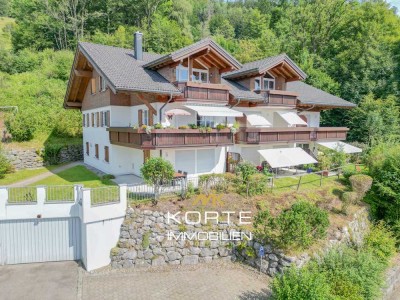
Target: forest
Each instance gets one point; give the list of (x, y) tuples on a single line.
[(348, 48)]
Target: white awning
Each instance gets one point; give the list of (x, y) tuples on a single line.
[(257, 120), (286, 157), (291, 118), (340, 146), (215, 111)]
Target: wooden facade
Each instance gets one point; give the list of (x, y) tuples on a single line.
[(247, 135), (169, 138), (278, 98), (203, 92)]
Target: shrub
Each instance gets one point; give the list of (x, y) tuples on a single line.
[(361, 184), (107, 177), (51, 153), (221, 126), (5, 165), (297, 227), (192, 126), (350, 197), (20, 127), (257, 184), (158, 126), (381, 242), (359, 269), (300, 284), (244, 170), (301, 225), (208, 181)]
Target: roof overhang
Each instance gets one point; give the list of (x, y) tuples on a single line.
[(205, 52)]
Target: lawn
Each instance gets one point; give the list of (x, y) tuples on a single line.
[(76, 175), (24, 174)]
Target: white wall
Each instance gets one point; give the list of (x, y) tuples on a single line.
[(313, 118), (100, 225)]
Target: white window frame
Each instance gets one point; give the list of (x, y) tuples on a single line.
[(200, 71), (268, 80), (259, 84)]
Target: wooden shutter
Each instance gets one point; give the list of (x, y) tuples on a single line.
[(83, 120), (140, 117), (108, 118), (106, 154), (92, 119), (97, 119), (87, 120), (96, 149), (87, 148), (93, 85), (102, 119)]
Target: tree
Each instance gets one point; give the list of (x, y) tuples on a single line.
[(157, 171), (4, 6)]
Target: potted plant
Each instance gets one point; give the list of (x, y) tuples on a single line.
[(325, 163)]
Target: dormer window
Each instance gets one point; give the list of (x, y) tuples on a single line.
[(200, 75), (267, 84), (102, 84)]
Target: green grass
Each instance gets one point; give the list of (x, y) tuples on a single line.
[(24, 174), (5, 35), (41, 139), (76, 175), (308, 181)]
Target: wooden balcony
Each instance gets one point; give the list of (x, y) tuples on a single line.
[(169, 138), (289, 134), (278, 98), (203, 92)]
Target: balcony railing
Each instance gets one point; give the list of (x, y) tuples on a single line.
[(289, 134), (278, 98), (169, 138), (204, 92)]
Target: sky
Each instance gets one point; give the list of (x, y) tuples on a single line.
[(395, 3)]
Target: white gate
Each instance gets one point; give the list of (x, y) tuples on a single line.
[(40, 240)]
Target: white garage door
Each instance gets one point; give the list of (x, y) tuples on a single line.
[(39, 240)]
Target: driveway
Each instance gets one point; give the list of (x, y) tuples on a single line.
[(45, 281), (65, 280)]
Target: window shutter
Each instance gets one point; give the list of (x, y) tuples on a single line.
[(106, 154), (108, 118), (140, 117), (97, 119), (87, 148), (102, 119), (92, 119), (97, 150), (93, 85), (87, 120), (83, 120)]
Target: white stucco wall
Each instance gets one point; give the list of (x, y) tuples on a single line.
[(313, 118)]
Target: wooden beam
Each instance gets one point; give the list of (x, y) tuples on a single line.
[(217, 60), (82, 73), (74, 104), (201, 63), (205, 62), (74, 90), (225, 70), (147, 103), (201, 53)]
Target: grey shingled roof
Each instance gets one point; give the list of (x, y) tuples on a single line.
[(240, 92), (313, 96), (188, 49), (262, 64), (123, 71)]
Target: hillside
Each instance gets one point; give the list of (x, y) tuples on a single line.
[(5, 32)]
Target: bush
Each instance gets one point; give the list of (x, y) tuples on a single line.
[(244, 170), (381, 242), (300, 284), (347, 267), (208, 181), (350, 197), (297, 227), (5, 165), (20, 127), (301, 225), (361, 184), (51, 153)]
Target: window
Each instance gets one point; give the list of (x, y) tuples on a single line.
[(205, 121), (200, 76), (87, 120), (269, 84), (93, 86), (102, 84), (102, 118), (106, 154), (257, 86), (87, 148), (107, 118), (84, 120), (96, 150), (182, 73), (145, 117), (92, 119)]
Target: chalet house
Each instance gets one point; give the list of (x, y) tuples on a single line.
[(197, 107)]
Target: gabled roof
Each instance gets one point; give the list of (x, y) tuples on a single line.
[(310, 95), (263, 65), (123, 72), (193, 48), (240, 92)]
